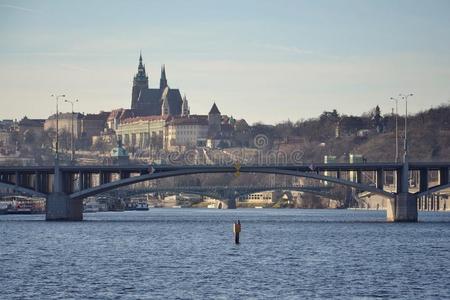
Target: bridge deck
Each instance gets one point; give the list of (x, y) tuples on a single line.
[(144, 168)]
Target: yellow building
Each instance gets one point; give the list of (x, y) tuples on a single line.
[(266, 197), (142, 132)]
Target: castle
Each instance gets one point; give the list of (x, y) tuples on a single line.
[(161, 118), (163, 101)]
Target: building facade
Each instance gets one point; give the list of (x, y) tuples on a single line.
[(85, 127), (171, 133), (93, 124), (65, 123), (35, 126), (186, 132), (142, 132)]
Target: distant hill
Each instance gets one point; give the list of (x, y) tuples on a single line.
[(371, 134)]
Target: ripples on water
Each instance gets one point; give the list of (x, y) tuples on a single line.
[(189, 254)]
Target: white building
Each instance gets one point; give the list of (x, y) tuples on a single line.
[(189, 131)]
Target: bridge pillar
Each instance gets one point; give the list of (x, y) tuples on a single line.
[(379, 178), (105, 177), (423, 180), (232, 203), (403, 208), (443, 176), (59, 207)]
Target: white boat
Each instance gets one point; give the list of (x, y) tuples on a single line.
[(91, 207), (211, 206), (176, 206)]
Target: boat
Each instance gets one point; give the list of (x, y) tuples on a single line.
[(141, 206), (3, 208), (137, 206), (20, 209), (91, 207)]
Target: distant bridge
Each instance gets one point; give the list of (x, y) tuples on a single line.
[(65, 186), (228, 194)]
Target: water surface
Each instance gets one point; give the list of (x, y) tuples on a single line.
[(190, 254)]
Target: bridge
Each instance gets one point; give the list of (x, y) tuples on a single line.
[(64, 187), (228, 194)]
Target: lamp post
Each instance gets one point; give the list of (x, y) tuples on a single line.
[(57, 97), (57, 179), (396, 128), (405, 146), (71, 134)]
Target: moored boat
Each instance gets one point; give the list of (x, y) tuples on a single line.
[(141, 206), (91, 207)]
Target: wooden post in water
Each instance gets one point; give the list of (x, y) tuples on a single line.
[(236, 231)]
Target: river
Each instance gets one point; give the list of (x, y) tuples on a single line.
[(190, 254)]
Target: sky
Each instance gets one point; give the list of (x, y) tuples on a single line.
[(265, 61)]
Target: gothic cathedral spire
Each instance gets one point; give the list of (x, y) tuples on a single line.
[(141, 78), (140, 81), (163, 80)]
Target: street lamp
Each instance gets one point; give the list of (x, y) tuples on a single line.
[(71, 134), (405, 97), (57, 97), (396, 128)]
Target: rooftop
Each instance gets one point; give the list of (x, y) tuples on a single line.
[(214, 110)]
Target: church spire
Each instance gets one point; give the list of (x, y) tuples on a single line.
[(140, 81), (141, 74), (163, 80), (141, 66), (185, 107)]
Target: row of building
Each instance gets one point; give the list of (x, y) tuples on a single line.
[(158, 118), (172, 132)]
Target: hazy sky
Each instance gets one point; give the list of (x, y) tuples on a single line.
[(261, 60)]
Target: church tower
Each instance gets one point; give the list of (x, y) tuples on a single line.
[(214, 121), (163, 80), (185, 107), (140, 82)]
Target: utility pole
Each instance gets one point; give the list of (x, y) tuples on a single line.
[(72, 158)]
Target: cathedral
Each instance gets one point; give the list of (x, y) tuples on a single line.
[(163, 101)]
